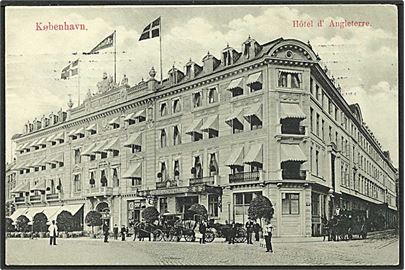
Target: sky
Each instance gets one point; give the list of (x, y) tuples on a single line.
[(363, 59)]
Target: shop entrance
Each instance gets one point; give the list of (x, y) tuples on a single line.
[(184, 203)]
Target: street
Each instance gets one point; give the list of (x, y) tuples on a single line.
[(378, 249)]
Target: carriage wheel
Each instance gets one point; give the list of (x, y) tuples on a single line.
[(167, 236), (209, 237), (364, 235), (157, 235), (240, 236), (189, 237)]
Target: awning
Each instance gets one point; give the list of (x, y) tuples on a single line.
[(72, 133), (57, 158), (292, 152), (32, 164), (236, 114), (80, 131), (290, 71), (34, 143), (20, 147), (41, 142), (32, 211), (114, 121), (255, 77), (22, 187), (38, 163), (18, 212), (141, 113), (195, 126), (210, 123), (134, 139), (50, 211), (99, 147), (73, 209), (134, 171), (87, 151), (25, 146), (236, 157), (92, 127), (129, 117), (41, 185), (60, 136), (112, 145), (255, 154), (51, 138), (254, 110), (237, 83), (291, 110)]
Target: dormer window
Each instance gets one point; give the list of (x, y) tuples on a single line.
[(212, 95), (289, 79), (197, 100), (176, 106), (227, 56), (163, 109)]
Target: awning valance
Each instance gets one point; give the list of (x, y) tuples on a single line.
[(254, 78), (112, 145), (18, 212), (254, 110), (210, 123), (41, 185), (236, 157), (235, 115), (114, 121), (292, 152), (134, 139), (255, 154), (290, 71), (88, 150), (134, 171), (22, 187), (237, 83), (291, 110), (92, 127), (195, 126)]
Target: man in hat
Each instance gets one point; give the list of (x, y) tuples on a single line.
[(106, 229), (53, 232), (267, 237), (249, 229)]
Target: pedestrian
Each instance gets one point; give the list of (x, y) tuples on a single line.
[(136, 229), (115, 231), (325, 228), (53, 233), (225, 230), (256, 230), (249, 231), (106, 229), (232, 233), (197, 233), (123, 232), (267, 237), (202, 229)]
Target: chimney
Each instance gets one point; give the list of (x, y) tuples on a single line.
[(152, 82)]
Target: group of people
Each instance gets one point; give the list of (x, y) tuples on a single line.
[(254, 227), (106, 232)]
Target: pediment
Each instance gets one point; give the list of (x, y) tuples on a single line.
[(293, 50)]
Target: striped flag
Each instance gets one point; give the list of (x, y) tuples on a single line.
[(151, 30), (104, 44), (70, 70)]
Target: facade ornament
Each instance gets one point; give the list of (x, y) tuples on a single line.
[(88, 95), (309, 44), (326, 69), (70, 102), (152, 73), (124, 81)]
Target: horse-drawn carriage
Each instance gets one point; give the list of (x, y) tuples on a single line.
[(224, 231), (347, 224)]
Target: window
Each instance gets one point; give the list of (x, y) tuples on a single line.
[(176, 106), (77, 185), (315, 204), (241, 202), (289, 79), (163, 171), (163, 142), (336, 113), (311, 120), (103, 179), (330, 107), (317, 162), (291, 204), (198, 169), (163, 205), (135, 148), (237, 126), (163, 109), (317, 92), (212, 133), (196, 136), (323, 129), (176, 169), (330, 134), (53, 165), (176, 136), (103, 155), (311, 86), (77, 156), (311, 162), (317, 124), (116, 181), (212, 95), (115, 153), (213, 166), (92, 157), (213, 205), (197, 100), (255, 122)]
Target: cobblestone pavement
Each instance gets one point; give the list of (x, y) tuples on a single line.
[(379, 249)]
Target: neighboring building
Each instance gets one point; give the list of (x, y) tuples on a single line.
[(267, 120)]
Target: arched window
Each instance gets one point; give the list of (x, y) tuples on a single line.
[(163, 138)]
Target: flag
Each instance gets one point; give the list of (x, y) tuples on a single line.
[(151, 30), (70, 70), (106, 43)]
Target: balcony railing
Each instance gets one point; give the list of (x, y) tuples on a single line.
[(166, 184), (209, 180), (99, 191), (19, 200), (35, 198), (244, 177), (295, 131), (53, 197)]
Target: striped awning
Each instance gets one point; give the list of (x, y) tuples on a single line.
[(291, 110), (129, 117), (60, 136), (114, 121), (88, 150), (134, 171), (134, 139), (112, 145), (57, 158), (235, 115), (255, 154), (100, 147), (210, 123), (292, 152), (22, 187), (38, 163), (254, 78), (236, 157), (290, 71), (195, 126), (33, 144), (92, 127), (254, 110), (140, 113), (41, 142), (72, 133), (18, 212), (71, 208), (51, 138), (80, 131), (41, 185), (237, 83)]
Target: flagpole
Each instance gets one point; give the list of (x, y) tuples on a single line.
[(78, 82), (115, 57), (160, 44)]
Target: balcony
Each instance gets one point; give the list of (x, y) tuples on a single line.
[(53, 197), (20, 200), (36, 199), (99, 191), (243, 177), (207, 180), (292, 126), (294, 175), (166, 184)]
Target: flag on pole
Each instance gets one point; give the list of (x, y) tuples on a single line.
[(70, 70), (151, 30), (104, 44)]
